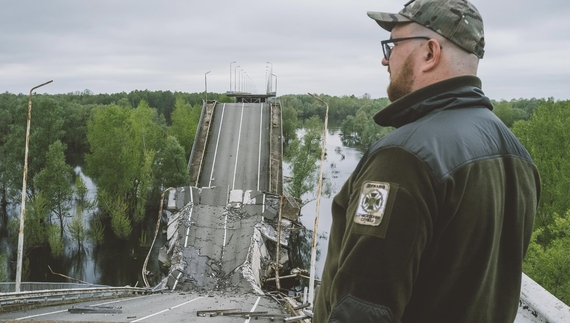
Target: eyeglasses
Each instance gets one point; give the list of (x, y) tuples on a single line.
[(387, 47)]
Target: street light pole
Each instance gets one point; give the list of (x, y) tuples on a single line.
[(316, 224), (239, 79), (23, 205), (231, 75), (275, 83), (270, 79), (206, 85), (235, 68)]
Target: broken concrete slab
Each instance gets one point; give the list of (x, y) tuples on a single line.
[(220, 242), (217, 195)]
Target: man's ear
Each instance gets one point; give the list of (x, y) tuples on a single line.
[(432, 55)]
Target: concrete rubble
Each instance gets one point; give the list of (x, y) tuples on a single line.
[(222, 239)]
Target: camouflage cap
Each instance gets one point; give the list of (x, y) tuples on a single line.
[(457, 20)]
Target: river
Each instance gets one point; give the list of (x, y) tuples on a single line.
[(115, 262), (339, 163)]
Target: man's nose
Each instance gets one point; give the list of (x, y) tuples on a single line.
[(384, 61)]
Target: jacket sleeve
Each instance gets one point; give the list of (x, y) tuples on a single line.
[(382, 222)]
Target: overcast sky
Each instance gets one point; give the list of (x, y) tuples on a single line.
[(318, 46)]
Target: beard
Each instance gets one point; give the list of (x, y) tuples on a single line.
[(401, 85)]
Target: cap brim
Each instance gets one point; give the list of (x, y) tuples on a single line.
[(387, 20)]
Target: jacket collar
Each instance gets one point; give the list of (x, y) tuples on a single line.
[(462, 91)]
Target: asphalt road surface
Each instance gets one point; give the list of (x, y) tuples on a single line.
[(237, 153), (175, 307)]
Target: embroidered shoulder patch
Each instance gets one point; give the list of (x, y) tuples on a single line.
[(372, 203)]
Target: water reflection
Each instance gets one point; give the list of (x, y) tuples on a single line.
[(339, 164), (114, 262)]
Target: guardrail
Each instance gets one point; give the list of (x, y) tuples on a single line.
[(67, 295), (539, 305)]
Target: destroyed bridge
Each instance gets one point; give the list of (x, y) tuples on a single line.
[(223, 228)]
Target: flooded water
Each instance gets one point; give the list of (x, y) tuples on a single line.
[(115, 262), (339, 163)]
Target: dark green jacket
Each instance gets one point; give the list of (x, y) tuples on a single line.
[(434, 222)]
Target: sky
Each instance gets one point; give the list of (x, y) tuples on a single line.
[(318, 46)]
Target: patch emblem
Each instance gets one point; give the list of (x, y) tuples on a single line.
[(372, 203)]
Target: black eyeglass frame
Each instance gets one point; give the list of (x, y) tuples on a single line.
[(387, 50)]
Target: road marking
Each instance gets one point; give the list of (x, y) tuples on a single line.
[(259, 159), (166, 310), (189, 224), (56, 312), (253, 308), (237, 150), (176, 282), (189, 217), (263, 208), (217, 142)]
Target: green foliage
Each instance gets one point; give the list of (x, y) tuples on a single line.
[(144, 185), (55, 240), (38, 231), (117, 209), (4, 274), (75, 125), (80, 191), (113, 159), (546, 138), (289, 124), (550, 151), (36, 223), (550, 265), (508, 114), (96, 231), (147, 128), (302, 155), (76, 228), (361, 131), (171, 166), (185, 120), (54, 181)]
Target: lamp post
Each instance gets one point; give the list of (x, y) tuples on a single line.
[(23, 205), (231, 75), (319, 188), (235, 68), (270, 79), (206, 85), (275, 82), (239, 79)]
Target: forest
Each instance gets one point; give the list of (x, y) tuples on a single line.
[(134, 145)]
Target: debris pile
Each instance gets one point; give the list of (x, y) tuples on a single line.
[(222, 239)]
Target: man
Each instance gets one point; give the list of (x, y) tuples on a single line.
[(434, 222)]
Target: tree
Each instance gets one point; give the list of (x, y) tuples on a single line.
[(185, 120), (76, 228), (114, 160), (550, 265), (361, 130), (546, 137), (54, 181), (171, 166), (509, 114), (289, 124), (302, 155)]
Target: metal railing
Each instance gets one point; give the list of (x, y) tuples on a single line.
[(47, 293)]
